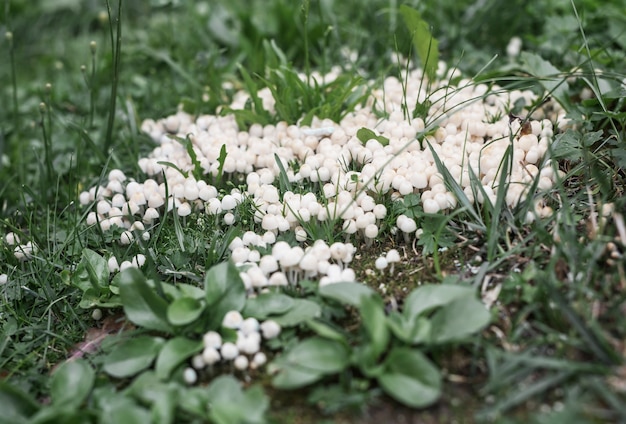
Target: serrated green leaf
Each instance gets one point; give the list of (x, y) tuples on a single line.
[(173, 353), (132, 356), (71, 383)]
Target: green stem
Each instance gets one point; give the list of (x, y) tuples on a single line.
[(45, 122), (116, 45)]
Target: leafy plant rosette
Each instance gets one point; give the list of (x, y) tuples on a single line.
[(389, 347)]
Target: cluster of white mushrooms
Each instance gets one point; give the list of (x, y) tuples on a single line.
[(245, 353), (468, 127)]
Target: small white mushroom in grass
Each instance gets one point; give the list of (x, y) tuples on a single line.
[(150, 215), (211, 355), (381, 263), (229, 218), (12, 239), (198, 362), (258, 360), (125, 265), (139, 260), (392, 257), (96, 314), (278, 279), (270, 329), (4, 278), (126, 238), (241, 362), (232, 319), (212, 339), (229, 351), (190, 376), (113, 264), (370, 233), (184, 209), (249, 326)]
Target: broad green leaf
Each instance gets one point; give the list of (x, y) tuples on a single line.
[(348, 293), (132, 356), (162, 397), (184, 310), (426, 46), (266, 304), (301, 311), (224, 289), (294, 377), (458, 319), (16, 406), (175, 352), (120, 409), (411, 378), (96, 267), (430, 296), (373, 317), (326, 331), (195, 401), (411, 331), (71, 383), (230, 404), (189, 290), (308, 361), (364, 135), (141, 304), (91, 277)]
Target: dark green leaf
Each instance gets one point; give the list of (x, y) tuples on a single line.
[(71, 383), (458, 319), (301, 311), (411, 331), (132, 356), (430, 296), (365, 135), (266, 304), (184, 310), (141, 304), (308, 361), (224, 289), (120, 409), (16, 406), (175, 352), (230, 404), (411, 378), (348, 293), (426, 46), (325, 330), (373, 317)]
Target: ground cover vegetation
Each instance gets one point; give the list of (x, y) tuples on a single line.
[(277, 211)]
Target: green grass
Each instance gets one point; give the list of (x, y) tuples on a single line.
[(78, 84)]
